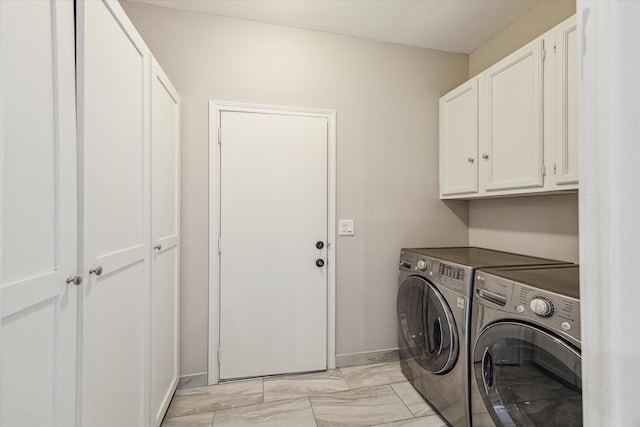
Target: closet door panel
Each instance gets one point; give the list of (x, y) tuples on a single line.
[(113, 98), (38, 214), (165, 228)]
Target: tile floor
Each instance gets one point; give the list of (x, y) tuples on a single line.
[(372, 395)]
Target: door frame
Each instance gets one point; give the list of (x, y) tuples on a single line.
[(215, 109)]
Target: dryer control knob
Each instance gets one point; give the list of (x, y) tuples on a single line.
[(422, 265), (542, 306)]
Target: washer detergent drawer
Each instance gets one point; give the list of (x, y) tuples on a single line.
[(524, 376)]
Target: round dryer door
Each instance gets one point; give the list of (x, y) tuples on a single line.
[(527, 376), (427, 327)]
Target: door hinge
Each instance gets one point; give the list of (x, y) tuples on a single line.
[(554, 48), (219, 355), (555, 171), (544, 170), (219, 245), (543, 54), (219, 135)]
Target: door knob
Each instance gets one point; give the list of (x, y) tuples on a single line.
[(470, 160), (485, 156), (319, 262), (96, 270), (158, 247), (319, 244)]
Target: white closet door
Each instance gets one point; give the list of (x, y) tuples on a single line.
[(113, 73), (38, 214), (165, 235)]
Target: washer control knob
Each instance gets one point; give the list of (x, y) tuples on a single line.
[(422, 265), (520, 309), (566, 326), (542, 306)]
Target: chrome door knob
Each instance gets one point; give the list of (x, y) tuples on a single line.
[(96, 270)]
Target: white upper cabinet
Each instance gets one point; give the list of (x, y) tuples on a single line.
[(566, 79), (459, 140), (517, 132), (511, 121)]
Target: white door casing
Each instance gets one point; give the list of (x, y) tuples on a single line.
[(265, 283), (113, 101), (165, 237), (38, 215)]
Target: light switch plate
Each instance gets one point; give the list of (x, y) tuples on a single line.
[(346, 227)]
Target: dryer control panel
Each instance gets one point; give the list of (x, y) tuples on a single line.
[(455, 277)]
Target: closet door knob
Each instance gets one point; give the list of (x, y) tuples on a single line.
[(485, 156), (158, 247), (96, 270), (470, 160)]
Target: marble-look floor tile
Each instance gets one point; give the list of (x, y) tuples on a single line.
[(289, 387), (203, 419), (373, 375), (428, 421), (412, 399), (212, 398), (361, 407), (284, 413)]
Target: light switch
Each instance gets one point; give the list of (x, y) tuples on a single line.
[(346, 227)]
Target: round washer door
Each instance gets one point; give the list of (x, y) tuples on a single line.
[(527, 376), (427, 325)]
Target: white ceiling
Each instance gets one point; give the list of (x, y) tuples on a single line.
[(450, 25)]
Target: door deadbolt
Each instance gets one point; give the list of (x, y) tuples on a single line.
[(319, 262), (319, 244)]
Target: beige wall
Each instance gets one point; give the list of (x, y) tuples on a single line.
[(536, 225), (386, 98), (538, 20)]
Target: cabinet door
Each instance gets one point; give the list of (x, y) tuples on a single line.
[(566, 150), (38, 214), (511, 141), (459, 140), (165, 235), (113, 85)]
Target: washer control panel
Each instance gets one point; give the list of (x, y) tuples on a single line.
[(542, 306), (559, 313)]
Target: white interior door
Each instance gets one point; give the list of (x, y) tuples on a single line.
[(113, 72), (165, 227), (273, 211), (38, 214)]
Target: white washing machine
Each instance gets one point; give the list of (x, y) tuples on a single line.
[(526, 360), (434, 317)]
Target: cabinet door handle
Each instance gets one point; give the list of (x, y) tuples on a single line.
[(158, 247), (76, 280), (96, 270), (470, 160), (485, 156)]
